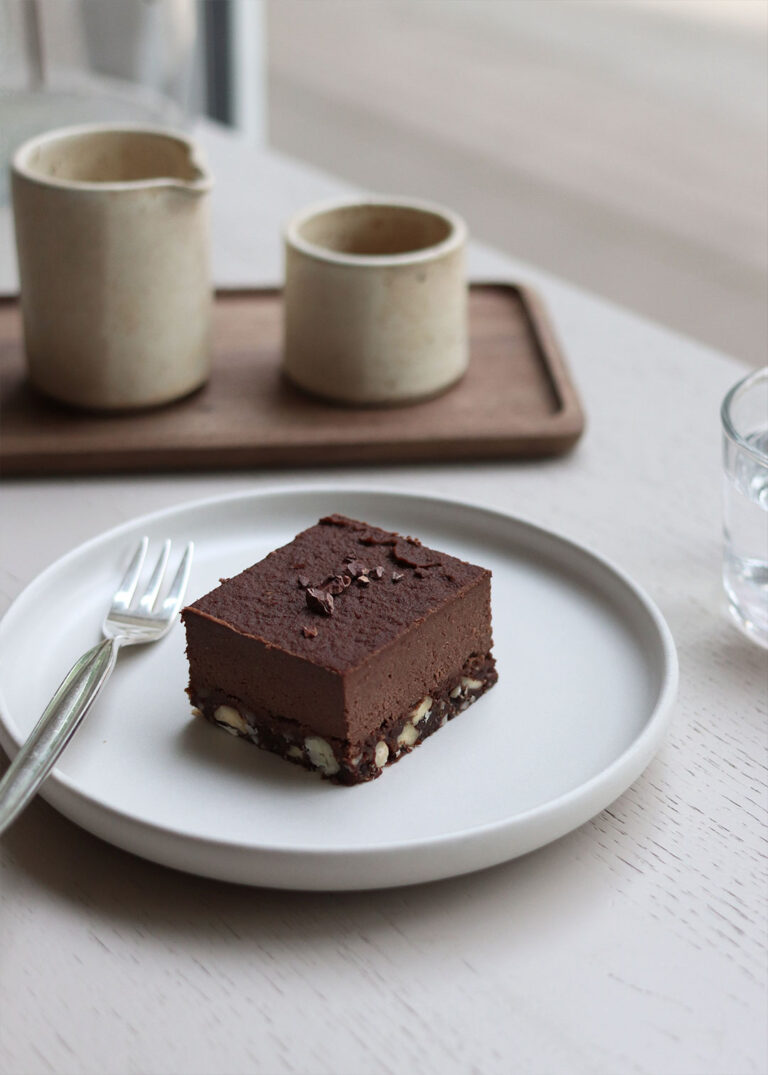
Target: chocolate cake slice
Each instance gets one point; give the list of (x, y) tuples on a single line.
[(344, 649)]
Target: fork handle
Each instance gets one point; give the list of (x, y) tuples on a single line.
[(63, 715)]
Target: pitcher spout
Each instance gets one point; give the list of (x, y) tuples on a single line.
[(199, 182)]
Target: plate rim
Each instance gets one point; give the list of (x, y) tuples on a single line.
[(62, 792)]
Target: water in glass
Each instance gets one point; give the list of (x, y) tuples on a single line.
[(745, 564)]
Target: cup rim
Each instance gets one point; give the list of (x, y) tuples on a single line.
[(454, 240), (742, 385), (199, 185)]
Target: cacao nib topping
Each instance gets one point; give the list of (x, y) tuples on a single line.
[(413, 555), (343, 521), (371, 539), (396, 576), (319, 601), (356, 568), (363, 580), (378, 571), (309, 632), (337, 584), (303, 581)]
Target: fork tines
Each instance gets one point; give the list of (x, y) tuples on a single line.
[(123, 599)]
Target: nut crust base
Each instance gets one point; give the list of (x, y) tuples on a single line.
[(339, 760)]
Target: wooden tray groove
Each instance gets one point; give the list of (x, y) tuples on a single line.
[(517, 400)]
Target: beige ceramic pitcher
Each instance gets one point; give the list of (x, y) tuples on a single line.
[(112, 239)]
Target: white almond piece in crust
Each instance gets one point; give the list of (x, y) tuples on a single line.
[(421, 710), (321, 755), (408, 736), (230, 717)]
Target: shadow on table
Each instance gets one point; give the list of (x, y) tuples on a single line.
[(558, 889), (549, 887)]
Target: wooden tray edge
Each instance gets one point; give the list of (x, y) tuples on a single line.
[(566, 426)]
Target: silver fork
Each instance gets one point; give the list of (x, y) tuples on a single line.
[(127, 623)]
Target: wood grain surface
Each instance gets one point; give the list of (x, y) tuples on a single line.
[(517, 399)]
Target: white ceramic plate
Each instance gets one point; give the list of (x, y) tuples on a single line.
[(587, 677)]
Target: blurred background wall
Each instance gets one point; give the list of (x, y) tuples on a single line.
[(622, 145)]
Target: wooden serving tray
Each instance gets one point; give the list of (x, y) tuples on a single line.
[(516, 400)]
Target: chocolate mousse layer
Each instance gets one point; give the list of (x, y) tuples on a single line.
[(324, 650)]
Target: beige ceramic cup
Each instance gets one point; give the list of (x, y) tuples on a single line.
[(112, 239), (375, 300)]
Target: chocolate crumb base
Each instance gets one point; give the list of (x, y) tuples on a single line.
[(338, 760)]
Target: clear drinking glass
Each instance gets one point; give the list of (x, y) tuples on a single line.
[(744, 416)]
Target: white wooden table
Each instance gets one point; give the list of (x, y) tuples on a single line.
[(634, 945)]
